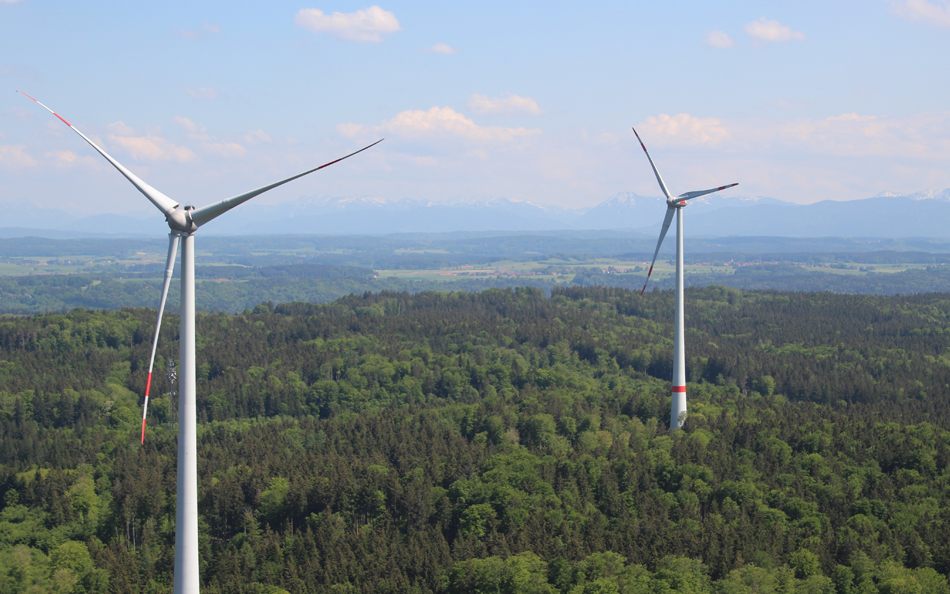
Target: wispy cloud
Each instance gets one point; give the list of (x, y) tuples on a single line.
[(764, 30), (120, 129), (149, 147), (922, 136), (187, 125), (718, 40), (204, 31), (8, 1), (921, 10), (364, 25), (437, 122), (67, 159), (925, 135), (442, 48), (206, 93), (510, 105), (206, 142), (15, 156), (256, 137), (684, 129), (845, 156)]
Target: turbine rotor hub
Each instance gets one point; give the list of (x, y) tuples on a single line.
[(180, 220)]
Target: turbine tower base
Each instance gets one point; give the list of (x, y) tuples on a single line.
[(678, 409)]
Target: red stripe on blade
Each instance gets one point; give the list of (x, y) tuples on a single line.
[(148, 384), (143, 431), (62, 120)]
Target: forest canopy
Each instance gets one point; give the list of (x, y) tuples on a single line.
[(501, 441)]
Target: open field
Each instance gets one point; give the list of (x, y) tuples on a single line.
[(233, 274), (564, 271)]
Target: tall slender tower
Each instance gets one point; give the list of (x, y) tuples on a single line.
[(675, 205), (678, 407)]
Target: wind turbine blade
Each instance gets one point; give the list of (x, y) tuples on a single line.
[(212, 211), (161, 201), (691, 195), (666, 227), (655, 172), (173, 239)]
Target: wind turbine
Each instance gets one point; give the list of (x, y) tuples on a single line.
[(183, 221), (677, 204)]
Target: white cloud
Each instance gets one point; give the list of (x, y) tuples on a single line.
[(438, 122), (15, 156), (763, 30), (363, 25), (204, 31), (718, 40), (221, 148), (256, 137), (153, 148), (187, 125), (849, 155), (684, 130), (510, 105), (202, 93), (442, 48), (208, 143), (923, 136), (921, 10), (148, 147), (66, 159), (120, 128), (63, 158)]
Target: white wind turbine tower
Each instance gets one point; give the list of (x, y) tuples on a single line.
[(183, 222), (678, 408)]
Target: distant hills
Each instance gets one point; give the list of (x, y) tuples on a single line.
[(886, 215)]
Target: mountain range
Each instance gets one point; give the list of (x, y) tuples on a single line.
[(886, 215)]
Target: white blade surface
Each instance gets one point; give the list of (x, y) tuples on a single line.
[(670, 210), (161, 201), (690, 195), (655, 172), (212, 211), (173, 239)]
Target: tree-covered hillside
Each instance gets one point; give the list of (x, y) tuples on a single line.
[(494, 442)]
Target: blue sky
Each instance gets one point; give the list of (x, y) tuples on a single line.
[(801, 101)]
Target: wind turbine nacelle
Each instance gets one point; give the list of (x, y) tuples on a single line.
[(180, 220)]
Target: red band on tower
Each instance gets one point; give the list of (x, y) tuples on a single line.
[(679, 388)]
